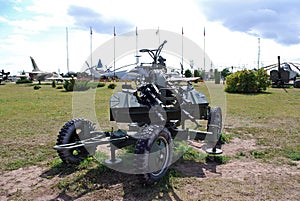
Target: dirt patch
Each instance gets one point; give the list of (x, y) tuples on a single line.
[(25, 181), (243, 170), (236, 146), (236, 168), (239, 179)]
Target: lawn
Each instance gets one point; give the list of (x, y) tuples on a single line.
[(269, 170)]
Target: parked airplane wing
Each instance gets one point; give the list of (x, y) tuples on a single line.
[(183, 79)]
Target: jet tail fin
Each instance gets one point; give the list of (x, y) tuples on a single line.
[(35, 67), (99, 65)]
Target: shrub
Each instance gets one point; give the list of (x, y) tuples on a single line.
[(262, 80), (92, 85), (81, 85), (69, 84), (101, 84), (36, 87), (197, 73), (23, 81), (247, 81), (188, 73), (112, 86), (53, 84)]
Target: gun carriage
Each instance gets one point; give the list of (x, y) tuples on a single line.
[(156, 112)]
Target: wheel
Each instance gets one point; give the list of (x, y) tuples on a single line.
[(153, 154), (214, 125), (75, 130), (297, 84)]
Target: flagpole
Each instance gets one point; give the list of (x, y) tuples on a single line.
[(204, 52), (258, 55), (67, 46), (114, 53), (91, 32), (158, 34), (182, 46), (136, 45)]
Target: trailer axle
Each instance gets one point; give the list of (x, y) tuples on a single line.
[(95, 141)]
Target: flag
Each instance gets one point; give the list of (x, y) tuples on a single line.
[(114, 31), (91, 30), (136, 33), (182, 31), (157, 31), (204, 32)]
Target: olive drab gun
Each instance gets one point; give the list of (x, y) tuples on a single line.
[(156, 111)]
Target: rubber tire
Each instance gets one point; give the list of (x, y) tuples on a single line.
[(215, 118), (297, 84), (143, 150), (68, 134)]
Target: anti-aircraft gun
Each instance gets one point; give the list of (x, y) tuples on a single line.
[(156, 112)]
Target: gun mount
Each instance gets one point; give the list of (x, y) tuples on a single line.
[(156, 112)]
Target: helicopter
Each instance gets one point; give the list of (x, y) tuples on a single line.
[(283, 74)]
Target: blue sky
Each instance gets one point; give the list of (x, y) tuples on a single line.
[(37, 28)]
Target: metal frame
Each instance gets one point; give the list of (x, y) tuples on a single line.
[(148, 96)]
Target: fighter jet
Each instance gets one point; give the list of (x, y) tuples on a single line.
[(100, 71), (37, 74)]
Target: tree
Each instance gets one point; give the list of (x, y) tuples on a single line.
[(224, 73), (197, 73), (188, 73)]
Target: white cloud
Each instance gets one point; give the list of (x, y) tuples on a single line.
[(3, 19), (18, 9)]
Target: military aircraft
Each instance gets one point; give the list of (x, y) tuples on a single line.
[(100, 71), (284, 73), (37, 74), (123, 72), (59, 78)]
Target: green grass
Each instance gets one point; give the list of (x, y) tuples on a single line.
[(188, 153), (31, 120), (220, 159), (272, 118), (294, 156)]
